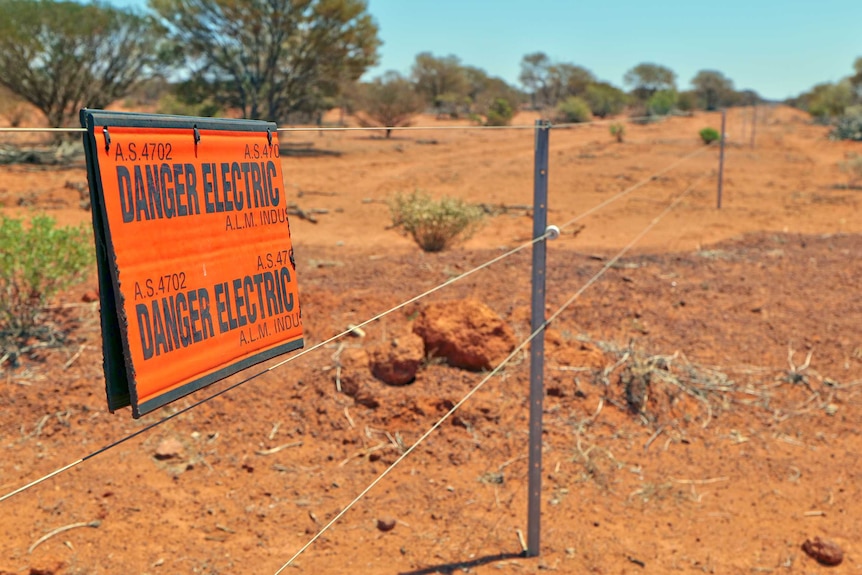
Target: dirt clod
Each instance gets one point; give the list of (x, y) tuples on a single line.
[(466, 332), (90, 296), (169, 448), (396, 362), (824, 551)]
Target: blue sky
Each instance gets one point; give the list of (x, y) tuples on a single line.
[(779, 48)]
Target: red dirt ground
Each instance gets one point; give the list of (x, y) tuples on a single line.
[(736, 451)]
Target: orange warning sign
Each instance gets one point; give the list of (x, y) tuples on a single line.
[(196, 254)]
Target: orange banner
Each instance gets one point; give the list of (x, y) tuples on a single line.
[(199, 240)]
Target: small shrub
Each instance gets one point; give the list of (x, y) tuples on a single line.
[(661, 103), (640, 115), (618, 131), (36, 262), (686, 101), (500, 113), (848, 126), (604, 99), (853, 168), (176, 105), (434, 224), (573, 110), (709, 135)]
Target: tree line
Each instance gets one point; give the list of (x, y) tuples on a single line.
[(836, 103), (291, 60)]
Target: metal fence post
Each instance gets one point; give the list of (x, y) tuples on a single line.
[(721, 156), (537, 346)]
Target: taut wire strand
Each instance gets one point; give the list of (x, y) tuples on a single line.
[(632, 188), (315, 347), (492, 373)]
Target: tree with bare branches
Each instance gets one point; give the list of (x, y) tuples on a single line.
[(61, 56)]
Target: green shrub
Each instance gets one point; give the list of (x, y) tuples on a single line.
[(686, 101), (709, 135), (36, 262), (434, 224), (500, 113), (604, 99), (828, 101), (853, 168), (176, 105), (661, 103), (848, 126), (618, 131), (573, 110)]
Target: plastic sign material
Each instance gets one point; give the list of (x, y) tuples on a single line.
[(197, 277)]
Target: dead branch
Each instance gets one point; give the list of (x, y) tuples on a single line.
[(279, 448), (59, 530)]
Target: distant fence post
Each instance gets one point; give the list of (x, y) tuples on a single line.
[(721, 156), (537, 346)]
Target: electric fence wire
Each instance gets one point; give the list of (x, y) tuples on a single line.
[(275, 366), (610, 263), (631, 188), (562, 125), (336, 337)]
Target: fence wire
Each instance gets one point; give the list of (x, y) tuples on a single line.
[(610, 263), (345, 332)]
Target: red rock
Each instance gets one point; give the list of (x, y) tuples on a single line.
[(824, 551), (396, 362), (465, 332), (386, 524), (90, 296), (355, 378)]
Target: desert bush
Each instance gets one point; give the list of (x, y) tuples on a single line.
[(686, 101), (573, 110), (828, 101), (37, 261), (618, 131), (848, 126), (180, 106), (500, 113), (434, 224), (709, 135), (389, 101), (604, 99), (853, 168), (661, 103)]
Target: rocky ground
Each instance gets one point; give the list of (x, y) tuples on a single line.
[(703, 400)]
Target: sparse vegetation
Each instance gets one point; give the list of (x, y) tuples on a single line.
[(618, 131), (661, 103), (176, 104), (849, 126), (434, 224), (60, 56), (713, 89), (853, 168), (389, 101), (828, 101), (709, 135), (573, 110), (604, 99), (37, 261), (647, 78), (500, 113)]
